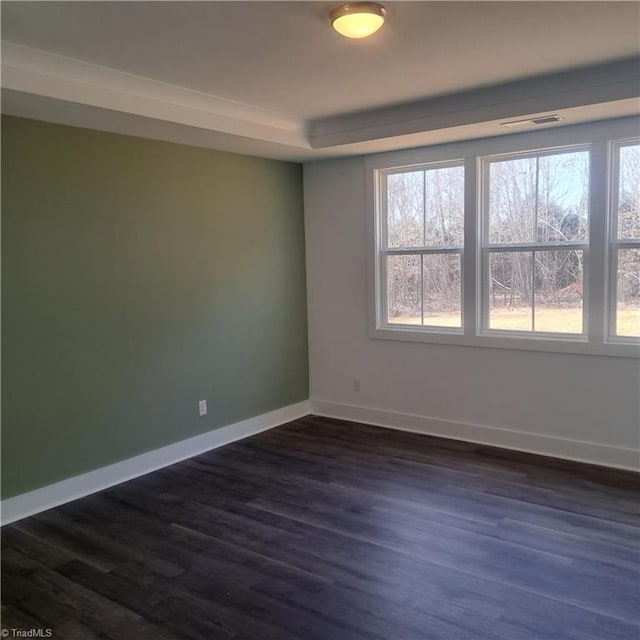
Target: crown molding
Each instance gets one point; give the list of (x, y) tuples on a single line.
[(610, 83), (46, 74), (46, 86), (73, 114)]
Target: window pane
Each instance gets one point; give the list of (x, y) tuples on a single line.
[(512, 200), (405, 209), (442, 290), (404, 290), (510, 291), (628, 293), (563, 197), (558, 292), (629, 193), (539, 199), (444, 206)]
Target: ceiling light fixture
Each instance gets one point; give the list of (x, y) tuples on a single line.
[(358, 19)]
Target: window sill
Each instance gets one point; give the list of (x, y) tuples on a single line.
[(455, 337)]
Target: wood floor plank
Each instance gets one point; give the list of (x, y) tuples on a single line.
[(332, 530)]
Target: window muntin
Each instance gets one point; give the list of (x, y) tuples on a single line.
[(535, 226), (422, 246), (624, 246)]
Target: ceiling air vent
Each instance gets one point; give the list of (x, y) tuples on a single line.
[(521, 124)]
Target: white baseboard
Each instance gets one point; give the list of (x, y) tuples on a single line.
[(52, 495), (27, 504), (580, 451)]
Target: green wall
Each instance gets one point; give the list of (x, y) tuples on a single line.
[(138, 278)]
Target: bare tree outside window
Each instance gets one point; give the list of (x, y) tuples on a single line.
[(626, 242), (529, 241), (423, 249), (538, 216)]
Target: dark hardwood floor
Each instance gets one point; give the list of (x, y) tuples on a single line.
[(337, 531)]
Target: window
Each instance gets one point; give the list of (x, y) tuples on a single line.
[(624, 316), (423, 237), (535, 220), (528, 241)]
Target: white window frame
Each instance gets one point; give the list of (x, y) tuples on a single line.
[(614, 244), (597, 339), (386, 251), (487, 248)]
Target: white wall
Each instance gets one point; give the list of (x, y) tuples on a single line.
[(574, 406)]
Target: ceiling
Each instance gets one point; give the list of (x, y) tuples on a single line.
[(272, 78)]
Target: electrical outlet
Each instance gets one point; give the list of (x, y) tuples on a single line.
[(356, 385), (202, 408)]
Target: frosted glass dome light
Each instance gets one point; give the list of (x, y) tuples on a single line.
[(358, 19)]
